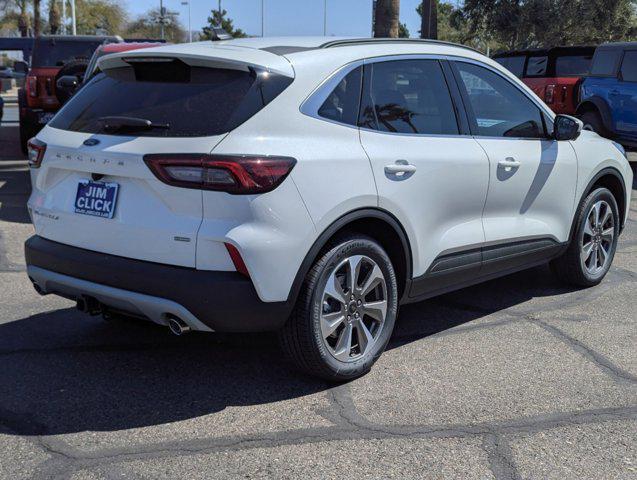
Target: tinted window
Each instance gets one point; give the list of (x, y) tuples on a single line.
[(342, 104), (572, 65), (537, 66), (500, 108), (55, 53), (192, 101), (408, 96), (515, 65), (629, 67), (604, 62)]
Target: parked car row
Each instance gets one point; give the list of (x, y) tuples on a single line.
[(598, 85), (58, 68)]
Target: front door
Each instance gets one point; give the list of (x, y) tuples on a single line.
[(531, 200)]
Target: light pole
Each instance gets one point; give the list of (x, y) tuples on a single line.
[(262, 18), (325, 18), (189, 24)]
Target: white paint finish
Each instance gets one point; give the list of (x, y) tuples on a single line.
[(535, 199), (149, 214), (440, 205)]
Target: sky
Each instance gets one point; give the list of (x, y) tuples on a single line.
[(287, 17)]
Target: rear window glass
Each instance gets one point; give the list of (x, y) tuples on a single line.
[(572, 65), (343, 103), (537, 66), (515, 65), (55, 53), (185, 101), (605, 62)]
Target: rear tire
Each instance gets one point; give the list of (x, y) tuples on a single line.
[(336, 331), (591, 251)]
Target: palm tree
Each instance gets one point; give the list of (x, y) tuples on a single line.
[(36, 18), (23, 18), (54, 17), (429, 19), (386, 24)]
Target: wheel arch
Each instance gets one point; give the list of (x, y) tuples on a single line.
[(376, 223), (613, 180), (598, 105)]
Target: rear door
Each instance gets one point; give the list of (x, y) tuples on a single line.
[(533, 178), (428, 173), (191, 109)]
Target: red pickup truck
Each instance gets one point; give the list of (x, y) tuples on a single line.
[(554, 74)]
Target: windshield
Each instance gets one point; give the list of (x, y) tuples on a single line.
[(55, 53), (190, 101)]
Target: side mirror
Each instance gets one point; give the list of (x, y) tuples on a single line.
[(566, 127), (21, 67), (68, 84)]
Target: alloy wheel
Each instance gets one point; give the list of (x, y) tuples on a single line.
[(598, 239), (353, 308)]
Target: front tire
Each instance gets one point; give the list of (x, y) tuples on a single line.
[(345, 313), (590, 254)]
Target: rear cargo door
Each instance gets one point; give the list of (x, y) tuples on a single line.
[(94, 189)]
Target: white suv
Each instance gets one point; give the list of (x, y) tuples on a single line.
[(311, 186)]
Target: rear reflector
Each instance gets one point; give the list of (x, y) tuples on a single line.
[(239, 264), (36, 150), (236, 174)]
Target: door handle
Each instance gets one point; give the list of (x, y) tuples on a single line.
[(509, 163), (401, 167)]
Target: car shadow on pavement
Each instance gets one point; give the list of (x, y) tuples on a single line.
[(65, 372), (15, 188)]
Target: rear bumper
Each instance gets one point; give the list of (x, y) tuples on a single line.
[(206, 300)]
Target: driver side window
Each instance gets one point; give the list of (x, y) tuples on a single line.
[(499, 108)]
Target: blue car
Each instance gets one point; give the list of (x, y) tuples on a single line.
[(608, 95)]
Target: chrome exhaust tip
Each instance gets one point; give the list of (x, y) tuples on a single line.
[(178, 326)]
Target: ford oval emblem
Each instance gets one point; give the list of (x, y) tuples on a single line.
[(91, 142)]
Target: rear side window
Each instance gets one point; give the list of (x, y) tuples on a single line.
[(55, 53), (572, 65), (537, 66), (515, 65), (499, 108), (408, 96), (629, 66), (343, 103), (186, 101), (605, 62)]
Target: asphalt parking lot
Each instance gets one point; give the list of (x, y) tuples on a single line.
[(519, 378)]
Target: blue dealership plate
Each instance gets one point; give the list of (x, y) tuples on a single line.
[(96, 198)]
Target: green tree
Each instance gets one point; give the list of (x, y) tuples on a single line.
[(99, 17), (220, 19), (403, 31), (148, 26), (515, 24), (55, 20)]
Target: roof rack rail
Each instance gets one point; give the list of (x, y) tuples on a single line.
[(356, 41)]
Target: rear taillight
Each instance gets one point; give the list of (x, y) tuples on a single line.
[(549, 94), (32, 85), (36, 150), (236, 174)]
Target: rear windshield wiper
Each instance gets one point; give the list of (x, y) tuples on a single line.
[(112, 124)]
